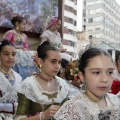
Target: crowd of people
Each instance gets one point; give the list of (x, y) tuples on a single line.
[(56, 88)]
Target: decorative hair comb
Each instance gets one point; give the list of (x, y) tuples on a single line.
[(54, 21)]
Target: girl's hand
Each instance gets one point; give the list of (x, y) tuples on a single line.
[(50, 112)]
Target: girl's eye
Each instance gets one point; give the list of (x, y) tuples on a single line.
[(53, 61), (6, 54), (59, 62), (96, 73), (110, 73), (13, 54)]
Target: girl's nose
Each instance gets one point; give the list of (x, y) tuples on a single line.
[(104, 78)]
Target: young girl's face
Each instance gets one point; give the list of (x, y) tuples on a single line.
[(98, 76), (52, 64), (7, 56), (22, 25), (57, 26)]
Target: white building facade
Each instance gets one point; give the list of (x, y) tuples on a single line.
[(70, 27), (101, 18)]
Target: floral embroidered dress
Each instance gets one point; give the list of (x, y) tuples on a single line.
[(81, 108), (8, 95), (16, 38), (32, 99)]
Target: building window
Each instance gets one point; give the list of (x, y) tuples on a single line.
[(97, 28), (90, 36), (75, 23), (70, 21), (84, 3), (84, 27), (70, 43), (90, 20), (71, 9), (70, 32)]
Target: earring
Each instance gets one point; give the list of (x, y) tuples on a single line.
[(40, 66), (83, 87), (17, 28)]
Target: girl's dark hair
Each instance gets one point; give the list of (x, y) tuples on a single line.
[(5, 43), (18, 19), (44, 49), (116, 59), (89, 54)]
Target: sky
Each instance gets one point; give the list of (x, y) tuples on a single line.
[(79, 13)]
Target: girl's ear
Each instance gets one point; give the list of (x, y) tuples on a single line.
[(81, 76), (39, 61), (16, 24)]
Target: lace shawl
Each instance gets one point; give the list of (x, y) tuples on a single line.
[(9, 91), (80, 108), (31, 90)]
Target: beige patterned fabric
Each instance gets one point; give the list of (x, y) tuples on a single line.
[(81, 108)]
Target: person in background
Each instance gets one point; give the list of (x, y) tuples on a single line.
[(24, 62), (51, 33), (41, 95), (94, 102), (9, 81), (117, 70), (15, 35), (116, 82), (69, 72)]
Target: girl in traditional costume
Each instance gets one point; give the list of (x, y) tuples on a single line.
[(24, 62), (15, 35), (116, 82), (52, 35), (41, 96), (9, 81), (94, 102)]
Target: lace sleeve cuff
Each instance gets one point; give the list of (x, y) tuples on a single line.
[(20, 117)]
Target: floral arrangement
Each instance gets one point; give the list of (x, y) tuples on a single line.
[(71, 72), (54, 21)]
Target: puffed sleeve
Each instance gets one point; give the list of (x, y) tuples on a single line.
[(9, 36)]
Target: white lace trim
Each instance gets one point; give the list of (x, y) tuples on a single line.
[(32, 91), (24, 58), (9, 91), (80, 108)]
